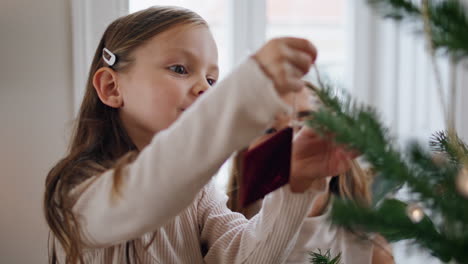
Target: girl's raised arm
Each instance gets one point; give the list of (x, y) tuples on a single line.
[(168, 173)]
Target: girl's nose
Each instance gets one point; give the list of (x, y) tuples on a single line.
[(200, 87)]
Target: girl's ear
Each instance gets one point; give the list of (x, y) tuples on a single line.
[(107, 88)]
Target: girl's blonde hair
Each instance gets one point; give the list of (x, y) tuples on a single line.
[(99, 141)]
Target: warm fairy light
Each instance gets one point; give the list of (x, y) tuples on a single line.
[(415, 213)]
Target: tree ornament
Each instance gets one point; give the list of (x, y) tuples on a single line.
[(266, 167)]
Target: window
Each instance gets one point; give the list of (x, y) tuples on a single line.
[(213, 11), (321, 22)]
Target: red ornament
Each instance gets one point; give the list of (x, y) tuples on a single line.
[(266, 167)]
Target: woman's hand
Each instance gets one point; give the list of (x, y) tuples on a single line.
[(314, 158), (285, 61)]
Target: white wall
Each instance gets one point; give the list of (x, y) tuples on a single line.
[(35, 117)]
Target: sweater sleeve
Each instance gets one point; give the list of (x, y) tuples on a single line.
[(268, 237), (174, 167)]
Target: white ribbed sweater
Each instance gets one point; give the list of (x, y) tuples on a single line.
[(166, 189), (318, 233)]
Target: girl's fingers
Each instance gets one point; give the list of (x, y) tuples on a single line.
[(303, 45), (285, 61), (300, 60), (296, 84), (308, 131), (292, 72), (289, 76), (351, 153), (306, 136)]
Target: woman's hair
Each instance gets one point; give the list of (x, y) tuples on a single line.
[(99, 141)]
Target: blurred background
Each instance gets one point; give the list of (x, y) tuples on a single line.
[(46, 48)]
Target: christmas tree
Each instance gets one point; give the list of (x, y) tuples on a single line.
[(324, 258), (436, 219)]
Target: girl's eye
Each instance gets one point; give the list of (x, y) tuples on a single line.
[(179, 69), (211, 82)]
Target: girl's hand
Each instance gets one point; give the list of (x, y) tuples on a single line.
[(285, 61), (382, 253), (314, 158)]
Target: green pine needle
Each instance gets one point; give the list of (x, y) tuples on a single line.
[(396, 9), (430, 183), (390, 220), (448, 22), (324, 258), (443, 231), (440, 143)]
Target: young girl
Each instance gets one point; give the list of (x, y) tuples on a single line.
[(316, 231), (135, 186)]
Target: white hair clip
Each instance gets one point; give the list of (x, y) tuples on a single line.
[(108, 57)]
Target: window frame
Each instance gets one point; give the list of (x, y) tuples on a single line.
[(89, 20)]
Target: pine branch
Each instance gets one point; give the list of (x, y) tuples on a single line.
[(440, 143), (448, 22), (430, 182), (391, 221), (358, 127), (324, 258), (396, 9), (441, 196)]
